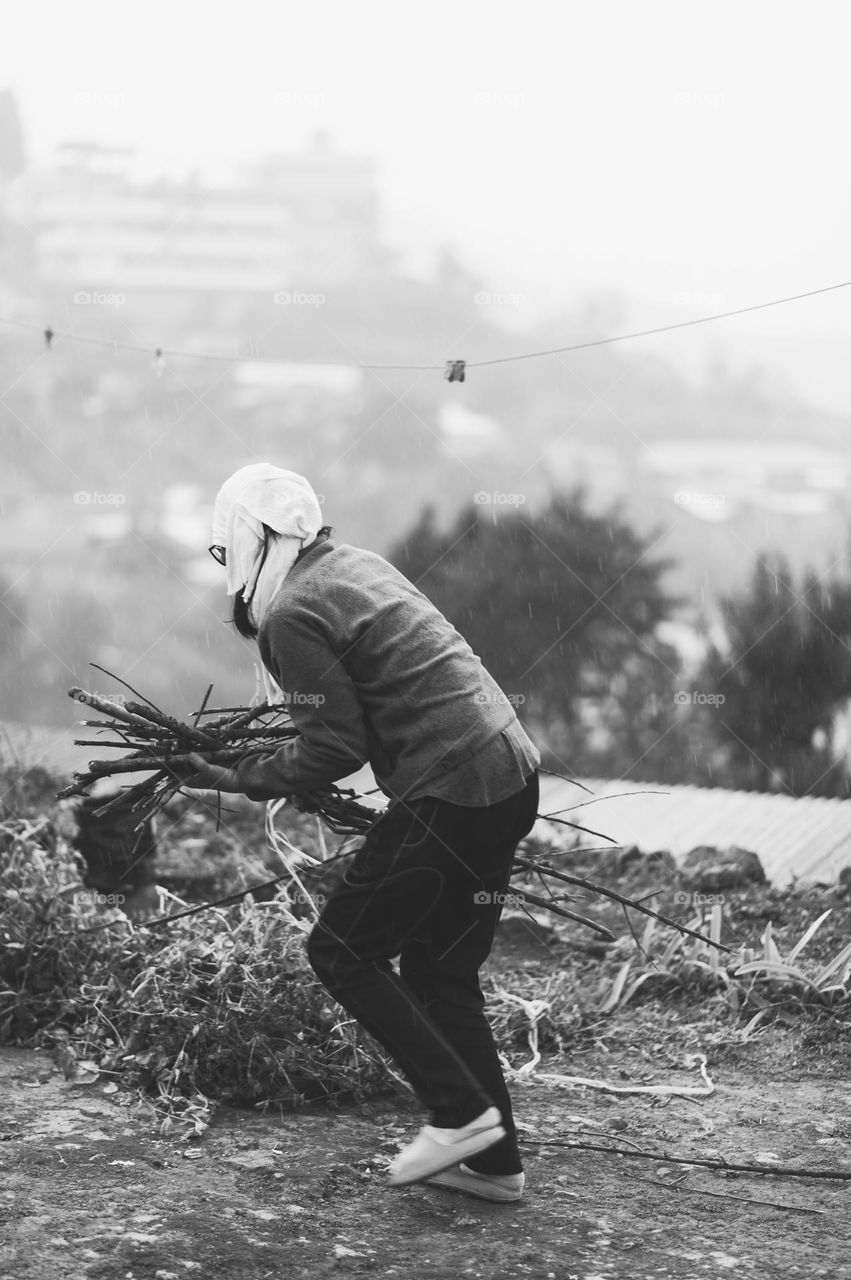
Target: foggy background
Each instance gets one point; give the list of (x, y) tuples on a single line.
[(379, 184)]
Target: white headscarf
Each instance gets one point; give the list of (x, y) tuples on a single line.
[(253, 496)]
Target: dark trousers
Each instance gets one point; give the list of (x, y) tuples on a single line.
[(428, 886)]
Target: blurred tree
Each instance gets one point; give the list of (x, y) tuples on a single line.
[(562, 609), (784, 675)]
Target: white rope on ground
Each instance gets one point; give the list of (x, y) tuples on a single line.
[(659, 1090), (534, 1010)]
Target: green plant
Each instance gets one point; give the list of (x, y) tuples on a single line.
[(681, 960), (750, 980), (828, 984)]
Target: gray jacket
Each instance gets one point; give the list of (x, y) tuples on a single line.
[(373, 672)]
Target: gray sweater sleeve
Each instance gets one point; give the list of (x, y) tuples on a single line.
[(325, 709)]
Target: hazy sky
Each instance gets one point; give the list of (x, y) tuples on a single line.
[(692, 158)]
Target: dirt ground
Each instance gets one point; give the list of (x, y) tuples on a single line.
[(90, 1191)]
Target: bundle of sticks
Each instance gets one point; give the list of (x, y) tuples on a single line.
[(160, 745), (154, 741)]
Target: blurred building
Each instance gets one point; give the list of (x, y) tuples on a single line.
[(256, 382), (467, 434), (16, 237), (713, 480), (331, 203), (106, 239), (720, 503)]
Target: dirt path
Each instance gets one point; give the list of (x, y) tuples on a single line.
[(90, 1192)]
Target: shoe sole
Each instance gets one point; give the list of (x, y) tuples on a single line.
[(451, 1155), (458, 1181)]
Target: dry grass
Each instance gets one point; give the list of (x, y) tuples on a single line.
[(224, 1006)]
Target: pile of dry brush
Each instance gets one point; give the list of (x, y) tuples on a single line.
[(230, 1010)]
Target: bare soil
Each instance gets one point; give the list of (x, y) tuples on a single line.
[(92, 1192), (90, 1189)]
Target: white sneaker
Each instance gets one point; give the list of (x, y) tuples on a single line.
[(436, 1149), (487, 1186)]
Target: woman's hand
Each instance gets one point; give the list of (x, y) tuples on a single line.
[(203, 776)]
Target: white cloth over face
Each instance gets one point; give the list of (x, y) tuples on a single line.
[(253, 496)]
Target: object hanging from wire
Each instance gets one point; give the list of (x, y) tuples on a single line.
[(455, 370)]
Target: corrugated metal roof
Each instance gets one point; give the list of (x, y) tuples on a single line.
[(805, 839)]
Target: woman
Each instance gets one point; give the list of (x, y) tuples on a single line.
[(373, 673)]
